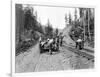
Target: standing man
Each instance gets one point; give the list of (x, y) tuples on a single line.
[(61, 42), (79, 43)]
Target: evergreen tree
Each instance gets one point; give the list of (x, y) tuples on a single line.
[(70, 19), (49, 30), (66, 19)]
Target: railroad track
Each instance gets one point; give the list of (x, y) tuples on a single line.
[(80, 53)]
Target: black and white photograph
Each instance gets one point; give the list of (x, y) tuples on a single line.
[(53, 38)]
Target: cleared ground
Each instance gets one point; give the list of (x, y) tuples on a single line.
[(67, 58)]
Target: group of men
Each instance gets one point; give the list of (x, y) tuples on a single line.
[(50, 45), (53, 44)]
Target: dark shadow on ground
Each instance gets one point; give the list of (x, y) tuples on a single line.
[(53, 53), (88, 50)]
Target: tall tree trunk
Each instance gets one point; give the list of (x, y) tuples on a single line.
[(89, 25), (84, 24)]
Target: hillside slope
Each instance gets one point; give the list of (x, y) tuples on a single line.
[(67, 38)]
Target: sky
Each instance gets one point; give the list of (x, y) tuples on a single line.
[(56, 15)]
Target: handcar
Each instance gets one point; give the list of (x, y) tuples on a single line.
[(43, 47), (49, 46), (55, 47)]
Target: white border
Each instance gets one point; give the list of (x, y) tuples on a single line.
[(13, 34), (13, 38), (53, 4)]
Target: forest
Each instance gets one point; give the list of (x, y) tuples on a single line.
[(29, 29), (82, 26)]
